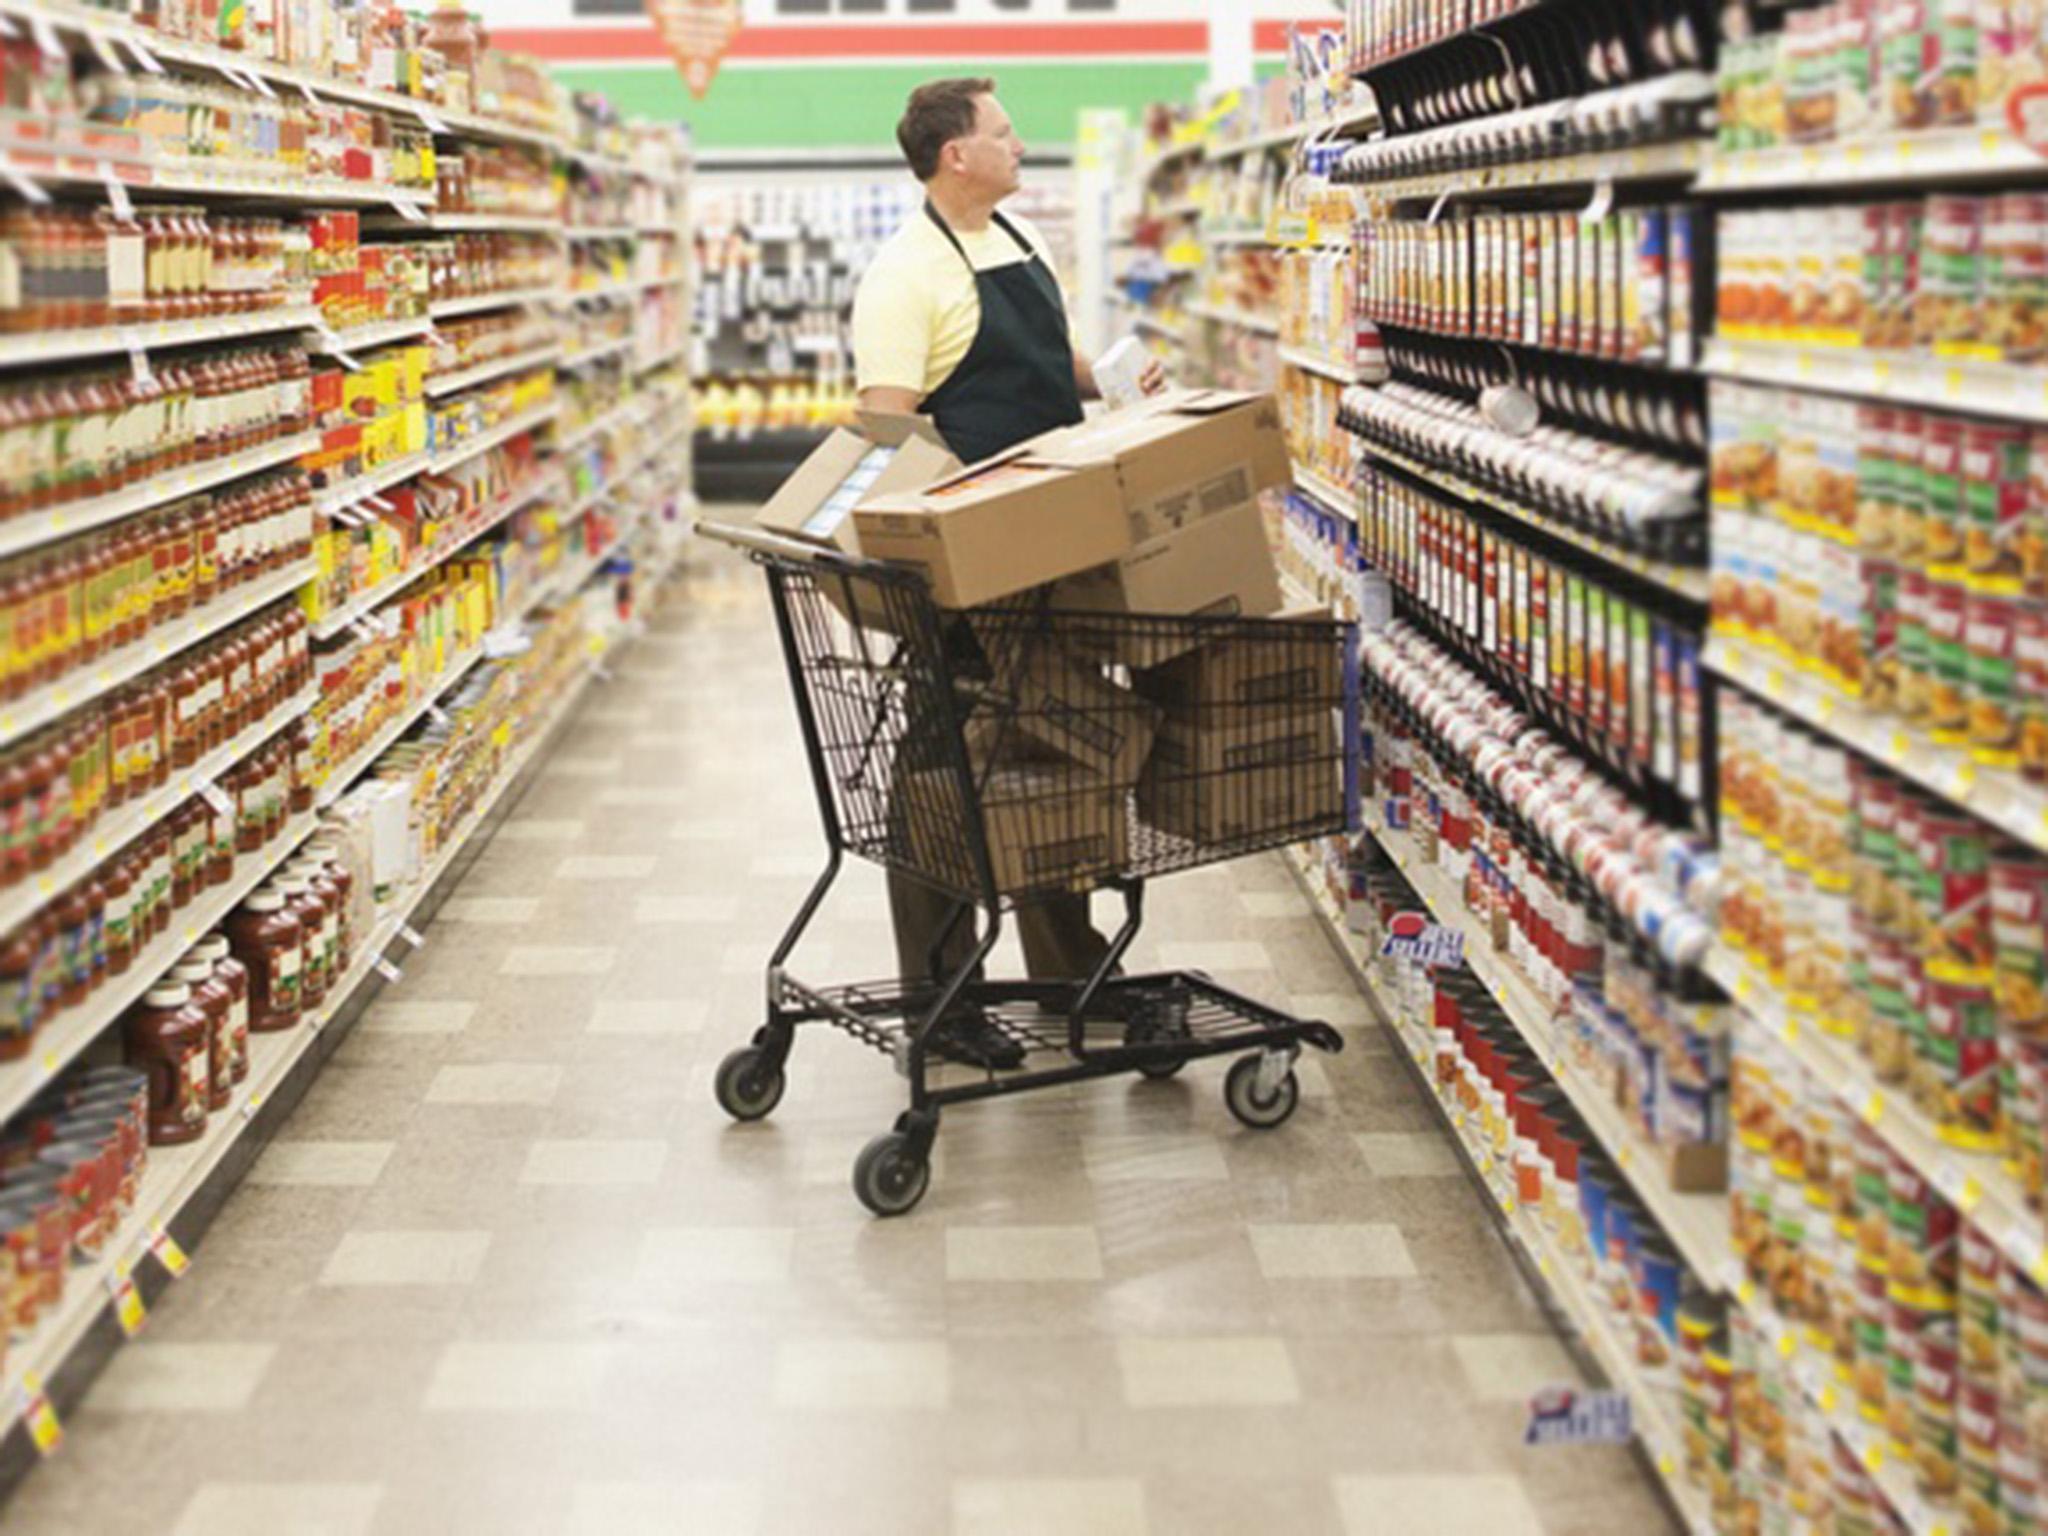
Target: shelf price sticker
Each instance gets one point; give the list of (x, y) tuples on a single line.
[(45, 1431), (129, 1311), (169, 1252), (1960, 1189)]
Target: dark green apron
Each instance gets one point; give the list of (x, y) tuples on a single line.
[(1017, 379)]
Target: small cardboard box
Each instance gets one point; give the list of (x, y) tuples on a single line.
[(1049, 703), (1049, 827), (1258, 775), (1181, 456), (1220, 567), (999, 527), (1252, 669)]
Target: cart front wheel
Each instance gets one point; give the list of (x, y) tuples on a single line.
[(1241, 1094), (748, 1085), (890, 1176)]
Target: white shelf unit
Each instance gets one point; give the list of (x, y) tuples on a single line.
[(477, 303), (1930, 156), (2015, 391), (362, 338), (1257, 324), (441, 385), (1344, 503), (1322, 367), (1653, 162), (109, 340)]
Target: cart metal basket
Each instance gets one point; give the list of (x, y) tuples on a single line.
[(1012, 754)]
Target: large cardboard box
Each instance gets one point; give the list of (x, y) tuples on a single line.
[(1181, 456), (1044, 702), (1219, 567), (1258, 775), (1252, 668), (1049, 827), (815, 505), (999, 527)]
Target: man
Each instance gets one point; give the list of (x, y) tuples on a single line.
[(959, 318)]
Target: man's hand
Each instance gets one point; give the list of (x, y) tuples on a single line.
[(1153, 379)]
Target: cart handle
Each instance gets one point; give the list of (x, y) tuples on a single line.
[(759, 541)]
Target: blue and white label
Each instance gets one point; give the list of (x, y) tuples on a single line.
[(1414, 938), (1570, 1416)]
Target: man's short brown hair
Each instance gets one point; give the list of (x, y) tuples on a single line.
[(939, 111)]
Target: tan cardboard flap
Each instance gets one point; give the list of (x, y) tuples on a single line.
[(1257, 667), (812, 483), (893, 429)]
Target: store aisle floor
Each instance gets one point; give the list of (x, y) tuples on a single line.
[(509, 1268)]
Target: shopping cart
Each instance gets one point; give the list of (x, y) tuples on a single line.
[(1011, 754)]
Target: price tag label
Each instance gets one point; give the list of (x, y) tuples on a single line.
[(168, 1251), (1961, 779), (103, 50), (38, 1417), (251, 1105), (387, 970), (149, 62), (1873, 1457), (1898, 747), (259, 85), (138, 357), (128, 1309), (410, 212), (411, 935), (25, 188), (430, 122), (214, 796), (117, 192), (1873, 1107), (1789, 1029), (47, 42)]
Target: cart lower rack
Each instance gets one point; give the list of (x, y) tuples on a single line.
[(1010, 758)]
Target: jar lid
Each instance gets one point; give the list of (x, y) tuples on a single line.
[(265, 899), (293, 885), (192, 970), (170, 994), (213, 947)]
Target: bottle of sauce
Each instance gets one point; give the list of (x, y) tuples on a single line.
[(18, 1011), (211, 998), (119, 920), (269, 941), (233, 975), (168, 1038), (307, 905)]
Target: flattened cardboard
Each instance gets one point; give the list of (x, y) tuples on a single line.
[(1181, 456), (1049, 828), (1262, 775), (998, 528), (1256, 668), (1049, 703), (1219, 567)]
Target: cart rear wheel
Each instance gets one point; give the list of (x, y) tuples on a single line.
[(890, 1176), (1241, 1094), (748, 1085), (1160, 1071)]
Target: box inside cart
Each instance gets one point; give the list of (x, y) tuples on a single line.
[(1049, 827), (1220, 567), (1250, 668), (1217, 778), (1045, 702)]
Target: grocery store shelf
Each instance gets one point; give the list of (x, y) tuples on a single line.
[(128, 821), (439, 386), (1689, 582), (589, 355), (1999, 795), (1339, 501), (476, 303), (361, 487), (1697, 1223), (1186, 208), (628, 412), (656, 229), (2016, 391), (1155, 327), (1324, 367), (1932, 156), (1573, 1295), (102, 341), (1239, 318), (54, 1047), (503, 432), (1655, 162), (343, 777), (602, 293), (103, 676), (365, 603), (599, 232), (32, 529), (1189, 149), (76, 163), (662, 358), (1976, 1183), (362, 338), (466, 223)]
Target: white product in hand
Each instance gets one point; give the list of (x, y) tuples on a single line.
[(1119, 370)]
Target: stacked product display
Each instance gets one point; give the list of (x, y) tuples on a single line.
[(343, 419), (1663, 386)]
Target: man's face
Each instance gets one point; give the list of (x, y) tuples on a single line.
[(991, 157)]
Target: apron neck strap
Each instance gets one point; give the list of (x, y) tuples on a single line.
[(954, 240)]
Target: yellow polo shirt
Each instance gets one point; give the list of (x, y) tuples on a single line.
[(916, 311)]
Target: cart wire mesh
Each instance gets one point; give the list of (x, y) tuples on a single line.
[(1012, 751)]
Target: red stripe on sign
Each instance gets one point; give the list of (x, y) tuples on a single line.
[(866, 40)]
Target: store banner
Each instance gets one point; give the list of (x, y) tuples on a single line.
[(697, 33)]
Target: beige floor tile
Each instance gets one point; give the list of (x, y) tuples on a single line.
[(489, 911), (677, 1016), (1207, 1373), (1023, 1253), (1513, 1367), (750, 1254), (1146, 1156), (558, 960), (321, 1162), (787, 866), (542, 829), (496, 1082), (699, 1507), (560, 767), (407, 1258), (162, 1377), (1099, 1506), (647, 796), (594, 1162), (1363, 1251), (711, 829), (523, 1376), (396, 1016), (697, 910), (606, 866), (1215, 955), (862, 1373), (1270, 903), (1421, 1505), (1410, 1154), (279, 1509)]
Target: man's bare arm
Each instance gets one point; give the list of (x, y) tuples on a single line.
[(1084, 378), (887, 397)]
